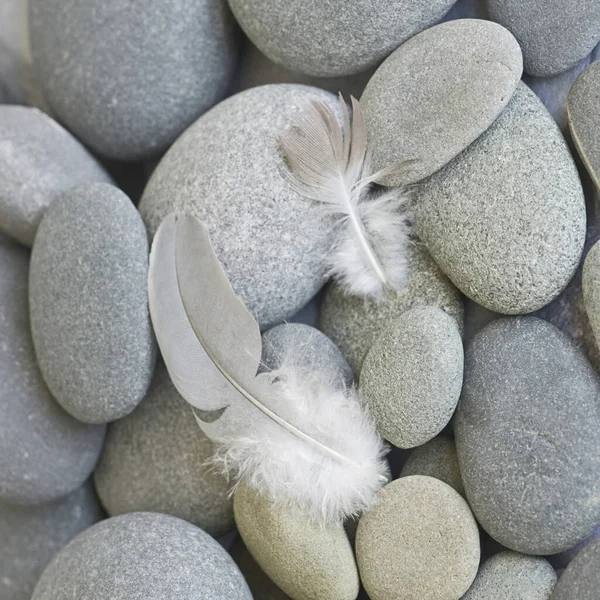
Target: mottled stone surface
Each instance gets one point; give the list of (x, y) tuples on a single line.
[(581, 580)]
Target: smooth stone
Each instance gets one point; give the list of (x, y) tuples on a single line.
[(527, 436), (308, 561), (127, 82), (88, 301), (437, 458), (305, 348), (142, 556), (419, 542), (591, 288), (44, 452), (176, 479), (354, 323), (563, 559), (228, 170), (32, 535), (517, 253), (412, 376), (333, 39), (581, 579), (39, 160), (437, 93), (553, 34)]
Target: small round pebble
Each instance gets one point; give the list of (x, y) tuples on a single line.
[(307, 561), (581, 579), (142, 556), (513, 576), (32, 535), (155, 460), (89, 306), (419, 542), (412, 376)]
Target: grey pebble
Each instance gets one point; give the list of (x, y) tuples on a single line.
[(439, 92), (412, 376), (32, 535), (517, 253), (88, 300), (228, 170), (128, 81), (591, 288), (38, 161), (142, 556), (44, 452), (527, 436), (154, 460), (563, 559), (581, 579)]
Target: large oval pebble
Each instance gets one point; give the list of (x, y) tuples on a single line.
[(439, 92), (528, 436), (516, 253), (581, 579), (88, 300)]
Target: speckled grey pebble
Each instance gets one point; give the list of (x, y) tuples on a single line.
[(563, 559), (436, 458), (307, 561), (581, 579), (32, 535), (396, 555), (554, 34), (333, 38), (88, 301), (517, 253), (527, 436), (355, 323), (127, 81), (439, 92), (44, 452), (142, 556), (591, 288), (228, 170), (513, 576), (38, 161), (412, 376)]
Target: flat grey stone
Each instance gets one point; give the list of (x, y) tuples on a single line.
[(328, 39), (304, 559), (355, 323), (32, 535), (154, 460), (553, 34), (437, 93), (44, 452), (581, 579), (419, 541), (89, 307), (38, 161), (527, 436), (228, 170), (128, 81), (412, 376), (513, 576), (517, 253), (142, 556)]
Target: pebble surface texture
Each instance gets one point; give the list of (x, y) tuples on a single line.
[(154, 460), (32, 535), (365, 31), (44, 452), (128, 82), (88, 301), (554, 35), (355, 323), (142, 556), (581, 579), (228, 170), (591, 288), (439, 92), (38, 161), (513, 576), (516, 254), (527, 436), (419, 542), (307, 561), (412, 376), (437, 458)]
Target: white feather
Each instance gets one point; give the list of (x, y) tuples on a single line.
[(332, 166)]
